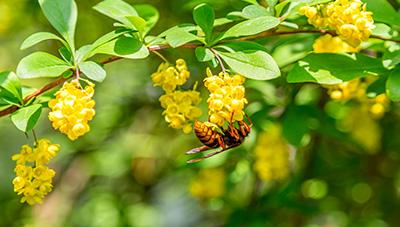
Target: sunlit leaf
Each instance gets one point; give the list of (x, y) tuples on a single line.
[(257, 65), (41, 64), (26, 118), (62, 14), (93, 71)]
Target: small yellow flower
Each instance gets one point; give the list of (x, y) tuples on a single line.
[(169, 77), (209, 183), (33, 178), (379, 106), (72, 109), (180, 108), (272, 155), (227, 97), (329, 44), (346, 90), (363, 128)]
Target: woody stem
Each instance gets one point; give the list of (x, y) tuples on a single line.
[(154, 48)]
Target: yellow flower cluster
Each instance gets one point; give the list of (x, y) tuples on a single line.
[(209, 183), (33, 178), (272, 155), (330, 44), (169, 77), (348, 18), (72, 109), (379, 106), (180, 108), (227, 97), (363, 128), (346, 90)]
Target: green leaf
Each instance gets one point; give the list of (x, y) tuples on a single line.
[(251, 27), (26, 118), (204, 54), (178, 36), (108, 37), (383, 12), (235, 16), (3, 103), (93, 71), (301, 73), (62, 14), (290, 25), (118, 10), (382, 30), (378, 86), (296, 124), (126, 47), (254, 11), (221, 21), (88, 51), (37, 38), (251, 1), (138, 23), (280, 7), (83, 52), (41, 64), (257, 65), (185, 27), (65, 54), (204, 16), (10, 88), (241, 46), (391, 57), (393, 85), (150, 14), (334, 68)]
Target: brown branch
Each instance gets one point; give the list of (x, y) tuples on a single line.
[(152, 48)]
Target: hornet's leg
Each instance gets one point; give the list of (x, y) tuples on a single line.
[(221, 142), (206, 156), (244, 128), (250, 122), (198, 149), (211, 154), (232, 130)]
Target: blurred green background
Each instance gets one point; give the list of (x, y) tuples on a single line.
[(308, 162)]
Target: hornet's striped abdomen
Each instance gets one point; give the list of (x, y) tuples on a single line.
[(206, 135)]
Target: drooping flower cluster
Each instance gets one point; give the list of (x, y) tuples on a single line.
[(272, 155), (169, 77), (356, 89), (227, 97), (330, 44), (72, 109), (33, 177), (348, 18), (209, 183), (362, 128), (181, 108)]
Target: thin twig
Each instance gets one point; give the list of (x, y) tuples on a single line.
[(219, 60), (161, 56), (152, 48), (35, 137)]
